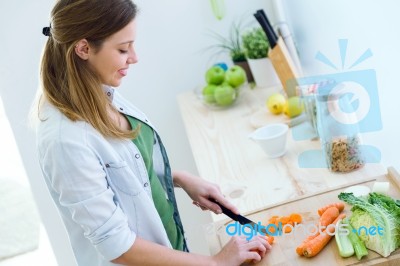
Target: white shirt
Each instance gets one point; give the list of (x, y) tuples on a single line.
[(100, 185)]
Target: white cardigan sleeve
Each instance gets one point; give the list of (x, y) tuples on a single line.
[(77, 176)]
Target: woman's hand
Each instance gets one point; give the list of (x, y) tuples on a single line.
[(200, 191), (239, 250)]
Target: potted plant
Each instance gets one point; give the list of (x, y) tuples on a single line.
[(233, 46), (256, 48)]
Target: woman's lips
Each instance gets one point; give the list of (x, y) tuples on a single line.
[(123, 72)]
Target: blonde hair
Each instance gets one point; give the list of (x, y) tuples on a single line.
[(67, 81)]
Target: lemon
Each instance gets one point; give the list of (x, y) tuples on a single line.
[(276, 103), (293, 107)]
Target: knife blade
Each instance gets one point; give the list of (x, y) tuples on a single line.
[(240, 218)]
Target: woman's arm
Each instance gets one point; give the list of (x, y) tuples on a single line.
[(200, 191), (235, 252)]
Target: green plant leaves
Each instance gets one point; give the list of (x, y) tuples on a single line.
[(255, 43)]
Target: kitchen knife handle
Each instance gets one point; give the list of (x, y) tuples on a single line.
[(229, 213), (266, 26), (262, 12)]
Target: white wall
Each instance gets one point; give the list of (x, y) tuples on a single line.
[(171, 36), (20, 47), (317, 26)]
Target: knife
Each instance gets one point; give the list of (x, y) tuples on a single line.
[(279, 56), (267, 27), (239, 218)]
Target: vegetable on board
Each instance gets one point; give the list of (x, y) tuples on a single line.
[(377, 221), (343, 243), (358, 244), (313, 247), (338, 205)]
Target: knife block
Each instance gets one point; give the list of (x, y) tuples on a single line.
[(284, 67)]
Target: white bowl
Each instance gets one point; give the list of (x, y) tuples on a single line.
[(272, 139)]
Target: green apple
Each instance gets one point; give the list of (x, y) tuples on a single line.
[(215, 75), (293, 107), (224, 95), (208, 93), (276, 103), (235, 76)]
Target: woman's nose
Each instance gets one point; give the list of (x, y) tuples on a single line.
[(132, 59)]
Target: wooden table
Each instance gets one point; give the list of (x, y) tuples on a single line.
[(225, 155)]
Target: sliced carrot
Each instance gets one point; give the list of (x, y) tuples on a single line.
[(314, 246), (270, 239), (338, 205), (287, 229), (273, 219), (271, 230), (284, 220), (328, 216), (295, 218)]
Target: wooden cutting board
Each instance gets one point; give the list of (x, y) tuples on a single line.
[(283, 250)]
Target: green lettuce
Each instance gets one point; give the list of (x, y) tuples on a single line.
[(371, 212), (390, 205)]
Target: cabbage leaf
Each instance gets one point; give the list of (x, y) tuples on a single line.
[(376, 214)]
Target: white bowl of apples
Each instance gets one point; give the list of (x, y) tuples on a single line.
[(223, 86)]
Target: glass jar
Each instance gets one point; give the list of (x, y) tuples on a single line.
[(338, 130), (308, 97)]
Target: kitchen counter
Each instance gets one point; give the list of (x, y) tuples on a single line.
[(226, 156)]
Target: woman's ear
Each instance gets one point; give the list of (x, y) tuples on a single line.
[(82, 49)]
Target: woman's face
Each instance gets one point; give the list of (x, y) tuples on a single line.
[(112, 61)]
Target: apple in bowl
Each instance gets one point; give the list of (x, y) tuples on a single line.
[(222, 88)]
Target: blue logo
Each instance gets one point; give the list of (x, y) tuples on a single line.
[(343, 104), (251, 230)]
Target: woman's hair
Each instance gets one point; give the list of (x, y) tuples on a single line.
[(68, 82)]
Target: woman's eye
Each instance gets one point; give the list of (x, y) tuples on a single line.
[(123, 51)]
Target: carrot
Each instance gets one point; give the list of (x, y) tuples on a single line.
[(295, 218), (314, 246), (301, 248), (270, 239), (338, 205), (328, 216), (287, 229), (271, 230), (284, 220), (273, 219), (340, 217)]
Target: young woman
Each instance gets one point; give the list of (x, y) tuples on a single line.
[(103, 161)]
